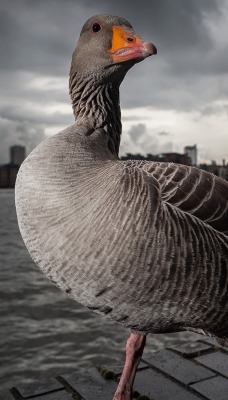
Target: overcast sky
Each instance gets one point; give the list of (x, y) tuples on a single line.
[(174, 99)]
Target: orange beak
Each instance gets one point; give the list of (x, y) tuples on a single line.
[(128, 46)]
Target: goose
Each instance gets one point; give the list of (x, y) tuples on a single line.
[(141, 243)]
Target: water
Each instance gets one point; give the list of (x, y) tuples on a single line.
[(42, 331)]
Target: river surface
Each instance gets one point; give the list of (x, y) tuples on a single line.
[(42, 331)]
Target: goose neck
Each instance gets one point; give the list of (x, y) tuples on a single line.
[(97, 104)]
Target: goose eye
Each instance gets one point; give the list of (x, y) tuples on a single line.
[(96, 27)]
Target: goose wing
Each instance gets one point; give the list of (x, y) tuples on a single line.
[(192, 190)]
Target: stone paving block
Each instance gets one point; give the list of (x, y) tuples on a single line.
[(218, 361), (91, 385), (61, 395), (212, 341), (184, 370), (118, 368), (190, 350), (39, 387), (213, 389), (6, 395), (157, 387)]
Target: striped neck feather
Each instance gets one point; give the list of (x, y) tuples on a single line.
[(97, 105)]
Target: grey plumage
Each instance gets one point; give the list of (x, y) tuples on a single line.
[(142, 243)]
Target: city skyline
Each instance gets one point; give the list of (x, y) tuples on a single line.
[(18, 153), (6, 159), (8, 171)]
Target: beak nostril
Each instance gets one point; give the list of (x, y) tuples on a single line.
[(129, 39)]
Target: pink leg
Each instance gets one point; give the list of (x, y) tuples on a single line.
[(134, 351)]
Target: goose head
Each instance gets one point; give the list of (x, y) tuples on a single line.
[(107, 48)]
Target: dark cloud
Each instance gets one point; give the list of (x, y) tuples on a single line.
[(37, 39), (174, 24), (41, 35)]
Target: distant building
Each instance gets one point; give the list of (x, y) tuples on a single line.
[(218, 170), (17, 154), (176, 158), (191, 151), (8, 175), (8, 172)]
